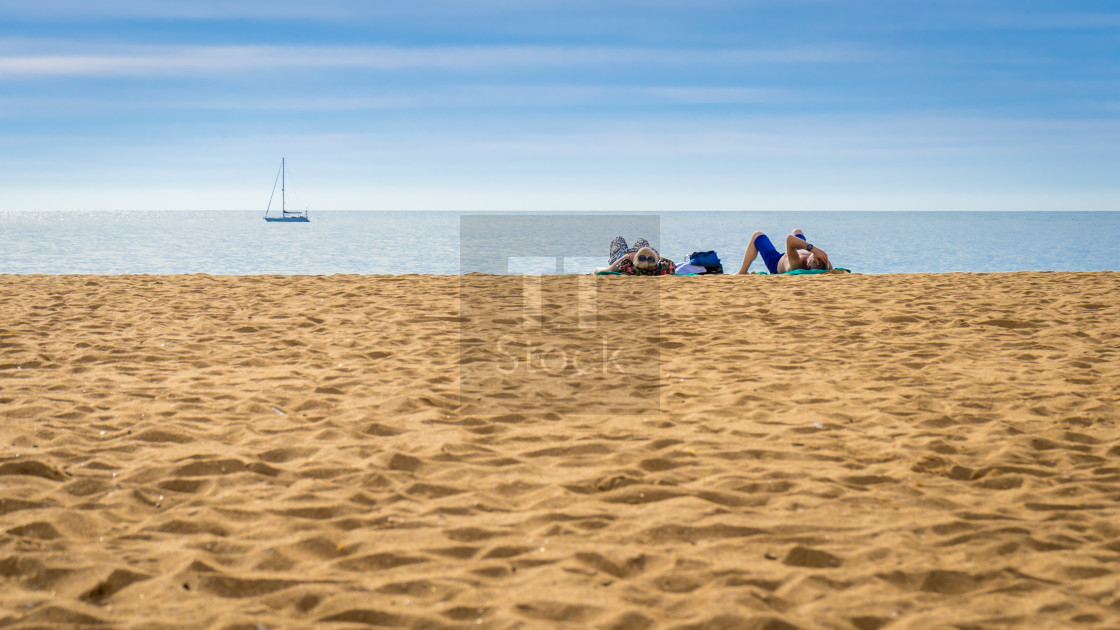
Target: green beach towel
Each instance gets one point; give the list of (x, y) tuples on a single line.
[(801, 272)]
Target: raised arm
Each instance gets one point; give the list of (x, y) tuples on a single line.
[(797, 241), (617, 263)]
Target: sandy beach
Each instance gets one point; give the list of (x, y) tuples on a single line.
[(842, 451)]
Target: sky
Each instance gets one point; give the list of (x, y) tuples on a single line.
[(534, 105)]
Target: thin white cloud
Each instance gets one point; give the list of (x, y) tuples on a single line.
[(333, 10), (527, 96), (461, 97), (180, 9), (143, 61)]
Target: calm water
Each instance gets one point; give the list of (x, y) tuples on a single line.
[(431, 242)]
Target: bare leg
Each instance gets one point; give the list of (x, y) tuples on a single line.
[(618, 247), (749, 256)]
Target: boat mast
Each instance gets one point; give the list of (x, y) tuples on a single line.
[(283, 175)]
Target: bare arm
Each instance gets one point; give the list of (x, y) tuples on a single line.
[(617, 263), (794, 243)]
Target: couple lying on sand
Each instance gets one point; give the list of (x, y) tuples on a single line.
[(643, 260)]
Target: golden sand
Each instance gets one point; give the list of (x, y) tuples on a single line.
[(857, 452)]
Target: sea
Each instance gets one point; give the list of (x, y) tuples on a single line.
[(354, 242)]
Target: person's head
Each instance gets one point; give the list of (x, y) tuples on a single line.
[(816, 263), (645, 259)]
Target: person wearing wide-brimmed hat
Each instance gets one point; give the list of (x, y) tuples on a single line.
[(640, 260)]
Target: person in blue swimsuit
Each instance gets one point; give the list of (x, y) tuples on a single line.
[(799, 254)]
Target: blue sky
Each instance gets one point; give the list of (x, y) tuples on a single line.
[(650, 105)]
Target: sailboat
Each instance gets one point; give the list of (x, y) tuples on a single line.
[(286, 216)]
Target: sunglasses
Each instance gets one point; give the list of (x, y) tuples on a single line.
[(647, 258)]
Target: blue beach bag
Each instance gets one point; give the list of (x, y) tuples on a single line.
[(708, 260)]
